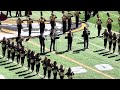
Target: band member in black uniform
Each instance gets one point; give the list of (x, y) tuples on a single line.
[(49, 68), (55, 70), (18, 14), (13, 51), (29, 58), (53, 36), (32, 60), (22, 55), (77, 15), (44, 63), (105, 34), (85, 35), (4, 42), (109, 24), (30, 21), (114, 39), (38, 59), (18, 53), (9, 13), (42, 43), (42, 25), (69, 74), (61, 72), (19, 26), (52, 20), (64, 18), (110, 36), (8, 49), (118, 43), (19, 41), (69, 21), (70, 39), (99, 26)]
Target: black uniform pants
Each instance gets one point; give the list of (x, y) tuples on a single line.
[(69, 44), (114, 46), (105, 43), (61, 77), (19, 29), (22, 60), (8, 54), (32, 66), (42, 49), (110, 45), (45, 71), (49, 74), (55, 75), (52, 24), (30, 29), (18, 13), (9, 13), (109, 27), (3, 51), (42, 28), (69, 26), (85, 42), (52, 43), (28, 60), (37, 68), (64, 27), (13, 56), (77, 21), (99, 29), (119, 49), (18, 59)]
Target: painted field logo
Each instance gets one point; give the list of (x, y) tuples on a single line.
[(78, 70), (104, 67)]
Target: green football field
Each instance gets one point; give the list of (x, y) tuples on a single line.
[(77, 57)]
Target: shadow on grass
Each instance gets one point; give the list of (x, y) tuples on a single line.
[(5, 63), (80, 43), (30, 76), (107, 54), (112, 56), (77, 51), (15, 68), (103, 52), (98, 50), (62, 52), (44, 53), (25, 74), (21, 71), (117, 60), (11, 66)]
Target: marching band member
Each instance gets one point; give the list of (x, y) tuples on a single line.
[(69, 74), (19, 26), (118, 43), (61, 72), (52, 20), (105, 34), (77, 15), (64, 18), (55, 70), (69, 20), (53, 36), (109, 24), (38, 59), (110, 36), (114, 39), (4, 42), (99, 26)]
